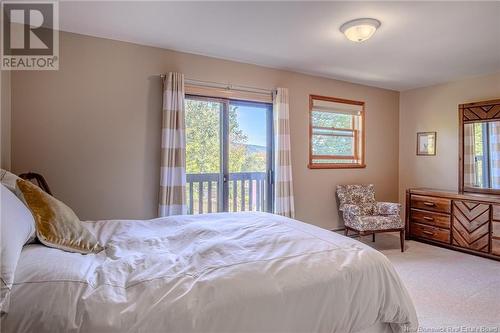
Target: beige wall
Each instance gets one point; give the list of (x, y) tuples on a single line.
[(93, 127), (435, 108), (5, 119)]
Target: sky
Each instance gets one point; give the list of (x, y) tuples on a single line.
[(252, 121)]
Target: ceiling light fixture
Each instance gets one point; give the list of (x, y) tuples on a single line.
[(359, 30)]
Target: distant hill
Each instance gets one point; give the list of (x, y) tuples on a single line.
[(255, 149), (252, 149)]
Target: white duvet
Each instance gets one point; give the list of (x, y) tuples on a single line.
[(245, 272)]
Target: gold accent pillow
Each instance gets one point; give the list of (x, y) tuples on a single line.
[(56, 224)]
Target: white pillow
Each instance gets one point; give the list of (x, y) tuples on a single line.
[(16, 228), (8, 179)]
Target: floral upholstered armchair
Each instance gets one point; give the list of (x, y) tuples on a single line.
[(364, 215)]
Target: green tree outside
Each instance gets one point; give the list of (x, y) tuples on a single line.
[(203, 141), (331, 145)]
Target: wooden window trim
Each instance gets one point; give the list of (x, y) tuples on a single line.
[(333, 157), (334, 129), (337, 166), (357, 137)]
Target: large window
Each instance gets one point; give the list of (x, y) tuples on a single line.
[(336, 129), (228, 155)]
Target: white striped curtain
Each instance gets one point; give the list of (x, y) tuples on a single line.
[(495, 154), (469, 156), (283, 186), (172, 199)]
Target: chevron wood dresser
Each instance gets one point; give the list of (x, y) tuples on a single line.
[(459, 221)]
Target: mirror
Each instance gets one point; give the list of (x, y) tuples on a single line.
[(480, 147), (482, 155)]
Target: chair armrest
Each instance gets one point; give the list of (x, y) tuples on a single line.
[(388, 208), (350, 212)]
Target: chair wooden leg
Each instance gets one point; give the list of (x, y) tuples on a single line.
[(373, 237), (346, 231), (402, 236)]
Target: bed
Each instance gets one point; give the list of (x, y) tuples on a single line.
[(226, 272)]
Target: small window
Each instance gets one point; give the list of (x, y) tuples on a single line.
[(336, 130)]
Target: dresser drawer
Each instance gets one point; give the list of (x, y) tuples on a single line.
[(495, 238), (495, 229), (429, 232), (496, 212), (495, 246), (431, 218), (431, 203)]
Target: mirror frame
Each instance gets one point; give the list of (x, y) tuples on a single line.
[(483, 111)]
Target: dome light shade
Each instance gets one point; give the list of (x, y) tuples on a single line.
[(359, 30)]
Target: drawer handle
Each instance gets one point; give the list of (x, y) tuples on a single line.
[(428, 232), (428, 218), (430, 204)]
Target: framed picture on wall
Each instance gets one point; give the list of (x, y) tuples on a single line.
[(426, 143)]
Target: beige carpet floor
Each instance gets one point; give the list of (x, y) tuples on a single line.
[(450, 289)]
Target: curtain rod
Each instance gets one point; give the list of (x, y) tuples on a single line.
[(227, 86)]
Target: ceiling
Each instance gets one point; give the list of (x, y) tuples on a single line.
[(418, 44)]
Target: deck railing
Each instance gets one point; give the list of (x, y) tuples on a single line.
[(248, 191)]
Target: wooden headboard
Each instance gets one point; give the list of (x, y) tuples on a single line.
[(32, 176)]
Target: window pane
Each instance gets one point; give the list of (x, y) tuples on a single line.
[(248, 153), (332, 145), (203, 156), (479, 144), (202, 136), (478, 138), (247, 137), (329, 119)]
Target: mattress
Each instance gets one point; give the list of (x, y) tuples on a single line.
[(227, 272)]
